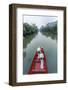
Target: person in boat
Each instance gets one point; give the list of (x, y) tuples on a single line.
[(41, 61), (41, 57), (39, 50)]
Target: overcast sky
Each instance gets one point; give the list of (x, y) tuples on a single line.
[(39, 20)]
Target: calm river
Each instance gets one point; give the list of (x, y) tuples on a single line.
[(31, 43)]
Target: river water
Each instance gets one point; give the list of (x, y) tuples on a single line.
[(30, 45)]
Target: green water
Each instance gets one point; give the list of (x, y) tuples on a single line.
[(49, 44)]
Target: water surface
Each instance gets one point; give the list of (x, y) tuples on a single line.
[(49, 44)]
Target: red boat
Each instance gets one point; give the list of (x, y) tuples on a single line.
[(38, 63)]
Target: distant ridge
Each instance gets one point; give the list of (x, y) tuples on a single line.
[(52, 24)]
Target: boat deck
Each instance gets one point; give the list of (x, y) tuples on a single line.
[(35, 66)]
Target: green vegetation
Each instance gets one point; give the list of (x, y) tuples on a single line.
[(50, 30), (29, 29)]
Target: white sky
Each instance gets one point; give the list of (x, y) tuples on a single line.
[(39, 20)]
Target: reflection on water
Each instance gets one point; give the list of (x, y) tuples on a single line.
[(27, 40), (52, 35), (31, 43), (24, 53)]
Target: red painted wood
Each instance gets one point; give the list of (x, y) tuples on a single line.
[(35, 66)]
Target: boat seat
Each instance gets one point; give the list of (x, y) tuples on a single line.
[(38, 61)]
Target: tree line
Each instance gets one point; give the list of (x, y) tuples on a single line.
[(49, 28), (29, 29)]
